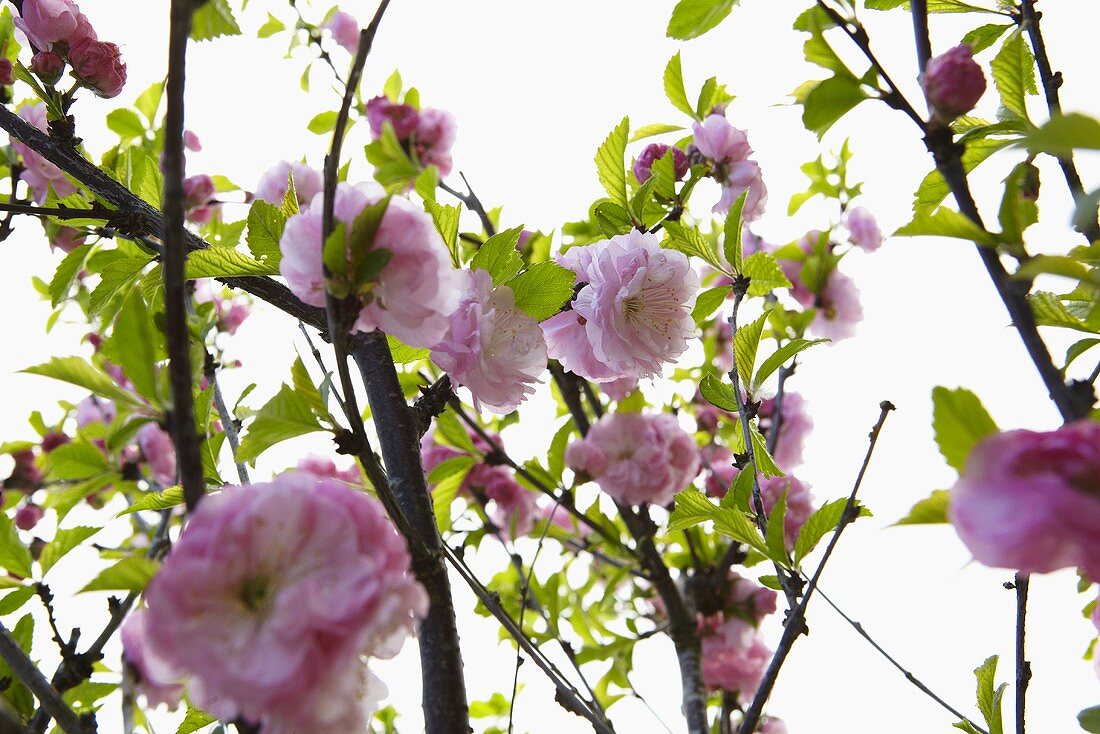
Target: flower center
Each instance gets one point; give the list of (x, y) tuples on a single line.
[(254, 593)]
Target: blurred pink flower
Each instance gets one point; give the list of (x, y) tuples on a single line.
[(863, 231), (491, 347), (838, 309), (46, 22), (198, 193), (1030, 500), (643, 165), (272, 594), (345, 30), (94, 410), (156, 680), (735, 658), (619, 389), (434, 137), (273, 185), (28, 515), (636, 458), (66, 239), (40, 175), (323, 467), (515, 508), (191, 141), (799, 503), (404, 118), (728, 148), (156, 446), (795, 426)]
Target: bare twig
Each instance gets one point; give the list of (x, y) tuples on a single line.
[(472, 203), (23, 668), (1023, 666), (229, 423)]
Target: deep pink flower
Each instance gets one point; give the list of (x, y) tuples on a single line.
[(635, 309), (345, 30), (838, 308), (323, 467), (863, 231), (953, 82), (1030, 500), (156, 446), (795, 426), (643, 165), (6, 77), (156, 680), (417, 290), (40, 175), (308, 182), (46, 22), (48, 66), (433, 139), (491, 347), (25, 474), (735, 658), (94, 410), (99, 66), (198, 195), (52, 440), (404, 118), (271, 595), (728, 148), (28, 515), (636, 458), (799, 503)]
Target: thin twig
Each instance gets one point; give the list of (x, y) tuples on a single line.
[(472, 203), (229, 423), (23, 668), (1023, 666)]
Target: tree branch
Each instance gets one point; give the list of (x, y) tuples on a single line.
[(28, 674)]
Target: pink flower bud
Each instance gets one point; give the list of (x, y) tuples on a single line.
[(345, 30), (403, 117), (46, 22), (191, 141), (953, 82), (156, 446), (6, 77), (99, 66), (653, 152), (52, 440), (27, 516), (48, 66)]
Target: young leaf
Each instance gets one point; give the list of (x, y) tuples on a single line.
[(693, 508), (718, 393), (780, 357), (674, 87), (499, 257), (945, 223), (691, 242), (611, 163), (731, 241), (446, 221), (194, 720), (931, 510), (764, 273), (1065, 133), (830, 100), (213, 19), (133, 345), (745, 344), (776, 536), (65, 275), (708, 302), (265, 230), (692, 18), (170, 497), (217, 262), (820, 524), (285, 416), (960, 421), (14, 556), (129, 574), (542, 289), (63, 542), (1014, 74)]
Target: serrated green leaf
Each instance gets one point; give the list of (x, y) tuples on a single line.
[(117, 277), (126, 124), (931, 510), (691, 242), (129, 574), (133, 344), (818, 525), (708, 302), (1063, 134), (218, 262), (542, 289), (76, 371), (266, 223), (674, 87), (13, 601), (499, 256), (14, 556), (443, 495), (285, 416), (982, 37), (764, 461), (986, 674), (65, 275), (776, 532), (731, 233), (692, 18), (453, 432), (830, 100), (446, 220), (148, 181), (148, 101), (1014, 74), (213, 19), (746, 342), (718, 393), (658, 128), (1050, 311), (611, 162), (403, 353), (693, 508), (934, 188), (764, 274), (272, 26), (170, 497), (945, 223), (612, 219), (555, 457), (1077, 349), (960, 421), (64, 540)]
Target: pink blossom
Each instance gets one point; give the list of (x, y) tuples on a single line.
[(515, 509), (28, 515), (94, 410), (863, 231), (99, 66), (156, 680), (308, 182), (643, 165), (749, 600), (795, 426), (230, 312), (491, 347), (838, 308), (191, 141), (636, 458), (6, 75), (66, 239), (799, 503), (433, 139), (728, 148), (404, 118), (635, 309), (198, 196), (417, 290), (323, 467), (25, 474), (46, 22), (52, 440), (156, 446), (1031, 500), (621, 388), (345, 30), (953, 82), (40, 175), (271, 595), (720, 471), (735, 658)]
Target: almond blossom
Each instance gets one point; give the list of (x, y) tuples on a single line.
[(728, 149)]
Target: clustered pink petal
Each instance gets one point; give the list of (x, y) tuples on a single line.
[(636, 458), (230, 312), (417, 290), (735, 658), (39, 174), (156, 446), (434, 137), (46, 22), (795, 426), (634, 311), (619, 389), (345, 30), (403, 117), (191, 141), (272, 594), (717, 460), (953, 82), (323, 467), (728, 148), (156, 680), (198, 199), (515, 509), (1030, 500), (94, 410), (863, 231), (799, 503), (99, 66), (66, 239), (643, 165), (492, 347), (838, 308), (273, 185)]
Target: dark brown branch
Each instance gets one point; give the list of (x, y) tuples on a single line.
[(1023, 666), (795, 624), (472, 203), (181, 418), (23, 668)]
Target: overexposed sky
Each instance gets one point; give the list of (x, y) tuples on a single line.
[(535, 88)]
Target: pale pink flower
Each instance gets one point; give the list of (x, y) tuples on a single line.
[(66, 239), (480, 475), (719, 470), (635, 309), (416, 291), (636, 458), (953, 82), (99, 66), (766, 725), (156, 680), (94, 410), (323, 467), (230, 312), (735, 658), (433, 139), (720, 141), (795, 426), (838, 308), (46, 22), (271, 595), (39, 174), (742, 176), (749, 600), (863, 230), (728, 148), (273, 185), (404, 118), (345, 30), (643, 165), (156, 446), (1031, 500), (491, 347), (799, 503)]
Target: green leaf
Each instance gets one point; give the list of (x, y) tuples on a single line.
[(693, 508), (818, 525), (170, 497), (731, 231), (960, 421), (268, 29), (691, 242), (265, 230), (1063, 134), (674, 88), (76, 371), (746, 342), (555, 457), (934, 188), (945, 223), (148, 101), (764, 273), (1077, 349), (692, 18), (285, 416), (1014, 73), (126, 124), (129, 574), (323, 123), (718, 393), (1089, 719), (218, 262), (708, 302), (989, 700), (403, 353), (542, 289), (446, 221), (776, 533), (133, 345), (444, 493), (830, 100), (780, 357), (13, 600), (931, 510), (1018, 209), (14, 556), (499, 256), (304, 386), (65, 275), (982, 37), (118, 276), (1050, 311), (148, 181), (612, 219), (611, 162), (764, 461), (659, 128), (63, 542), (213, 19), (76, 460), (453, 431)]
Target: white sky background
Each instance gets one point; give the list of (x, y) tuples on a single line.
[(535, 88)]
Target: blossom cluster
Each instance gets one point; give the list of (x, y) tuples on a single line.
[(60, 33)]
